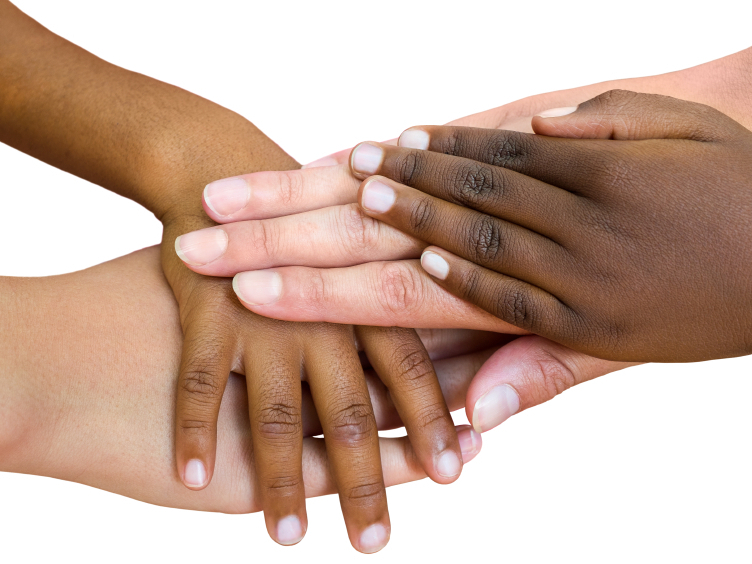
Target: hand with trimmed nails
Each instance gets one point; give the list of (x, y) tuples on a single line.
[(630, 245)]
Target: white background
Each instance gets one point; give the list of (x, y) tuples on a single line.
[(649, 465)]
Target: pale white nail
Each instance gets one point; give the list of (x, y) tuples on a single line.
[(195, 474), (374, 538), (448, 465), (435, 265), (414, 139), (494, 407), (378, 197), (260, 287), (558, 112), (289, 530), (366, 158), (227, 196), (202, 247)]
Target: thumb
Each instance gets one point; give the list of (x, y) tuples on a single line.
[(624, 115), (526, 372)]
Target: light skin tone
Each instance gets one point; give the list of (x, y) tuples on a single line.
[(159, 145), (89, 397), (395, 290), (626, 244)]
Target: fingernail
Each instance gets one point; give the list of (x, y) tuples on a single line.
[(378, 197), (201, 247), (435, 265), (494, 407), (259, 287), (366, 159), (195, 474), (448, 465), (414, 139), (373, 539), (324, 161), (470, 443), (289, 530), (227, 196), (557, 112)]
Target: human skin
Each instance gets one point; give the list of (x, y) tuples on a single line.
[(159, 145), (89, 369), (369, 274), (629, 243)]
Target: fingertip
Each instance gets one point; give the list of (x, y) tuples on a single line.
[(290, 531), (226, 197), (470, 442), (366, 159), (414, 138), (194, 475), (434, 264), (448, 465), (373, 538)]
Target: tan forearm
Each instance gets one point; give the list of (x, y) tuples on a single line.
[(146, 140)]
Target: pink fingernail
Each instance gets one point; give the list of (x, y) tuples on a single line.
[(470, 443), (448, 465), (366, 159), (414, 139), (195, 474), (201, 247), (435, 265), (259, 287), (494, 407), (289, 530), (558, 112), (378, 197), (228, 196), (373, 539)]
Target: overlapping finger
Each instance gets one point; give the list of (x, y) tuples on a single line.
[(403, 364)]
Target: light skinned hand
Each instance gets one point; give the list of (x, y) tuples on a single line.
[(396, 292)]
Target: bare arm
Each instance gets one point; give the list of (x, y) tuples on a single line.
[(88, 365)]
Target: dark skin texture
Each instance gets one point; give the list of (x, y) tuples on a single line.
[(630, 243), (159, 146)]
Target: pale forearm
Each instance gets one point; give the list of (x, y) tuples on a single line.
[(724, 84), (88, 375)]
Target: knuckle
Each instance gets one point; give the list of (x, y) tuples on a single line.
[(357, 233), (195, 427), (515, 307), (408, 165), (486, 244), (282, 485), (477, 183), (279, 421), (554, 375), (401, 288), (201, 386), (263, 238), (422, 215), (508, 149), (366, 494), (430, 414), (615, 99), (353, 424), (315, 290), (291, 187), (412, 366)]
